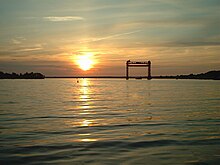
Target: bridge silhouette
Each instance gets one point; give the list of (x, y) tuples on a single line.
[(130, 63)]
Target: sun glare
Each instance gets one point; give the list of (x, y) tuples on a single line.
[(85, 61)]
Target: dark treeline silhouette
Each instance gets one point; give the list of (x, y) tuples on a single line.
[(211, 75), (21, 76)]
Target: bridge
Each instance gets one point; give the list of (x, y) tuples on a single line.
[(130, 63)]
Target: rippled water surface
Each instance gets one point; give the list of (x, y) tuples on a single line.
[(109, 121)]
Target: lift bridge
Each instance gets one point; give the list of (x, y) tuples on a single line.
[(130, 63)]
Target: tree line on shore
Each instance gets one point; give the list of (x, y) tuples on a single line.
[(26, 75), (212, 75)]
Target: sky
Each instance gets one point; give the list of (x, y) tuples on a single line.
[(48, 36)]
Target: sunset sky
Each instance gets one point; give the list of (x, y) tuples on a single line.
[(50, 36)]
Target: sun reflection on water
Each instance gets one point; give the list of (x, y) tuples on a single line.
[(84, 111), (88, 140), (84, 90), (86, 123)]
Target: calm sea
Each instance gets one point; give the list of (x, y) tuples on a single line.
[(109, 121)]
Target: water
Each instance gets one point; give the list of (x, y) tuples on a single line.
[(109, 121)]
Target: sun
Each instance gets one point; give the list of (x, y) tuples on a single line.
[(85, 62)]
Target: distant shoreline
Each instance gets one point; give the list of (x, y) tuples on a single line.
[(121, 77), (26, 75), (113, 77), (211, 75)]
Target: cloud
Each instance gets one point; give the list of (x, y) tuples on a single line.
[(64, 18), (110, 36), (195, 43), (35, 47), (18, 40), (14, 41), (22, 51), (30, 49)]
